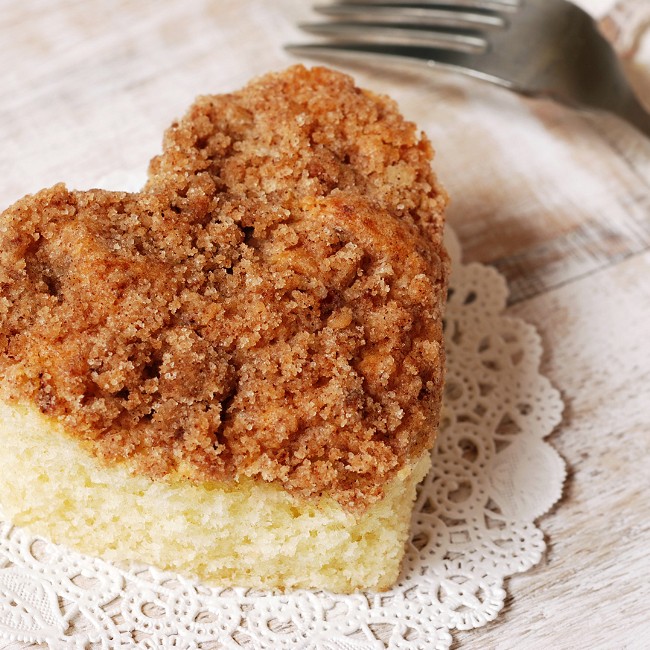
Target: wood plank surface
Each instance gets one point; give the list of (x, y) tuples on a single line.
[(557, 200)]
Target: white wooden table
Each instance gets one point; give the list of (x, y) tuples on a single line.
[(557, 201)]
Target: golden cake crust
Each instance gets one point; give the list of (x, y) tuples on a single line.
[(268, 306)]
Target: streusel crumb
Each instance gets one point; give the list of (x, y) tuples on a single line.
[(269, 305)]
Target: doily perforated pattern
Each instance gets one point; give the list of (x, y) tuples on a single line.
[(473, 526)]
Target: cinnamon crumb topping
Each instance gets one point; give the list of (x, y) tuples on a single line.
[(269, 305)]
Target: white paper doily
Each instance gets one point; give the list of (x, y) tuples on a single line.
[(473, 526)]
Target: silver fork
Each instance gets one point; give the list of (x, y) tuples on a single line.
[(535, 47)]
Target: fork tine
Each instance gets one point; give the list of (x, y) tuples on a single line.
[(498, 5), (421, 16), (470, 64), (464, 41)]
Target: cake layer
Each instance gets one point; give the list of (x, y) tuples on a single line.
[(239, 533)]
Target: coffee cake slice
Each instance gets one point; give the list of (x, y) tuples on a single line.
[(235, 373)]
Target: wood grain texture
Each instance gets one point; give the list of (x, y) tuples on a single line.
[(558, 201), (593, 588)]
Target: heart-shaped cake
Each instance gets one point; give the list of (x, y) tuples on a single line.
[(236, 372)]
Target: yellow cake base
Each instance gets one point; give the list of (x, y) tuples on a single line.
[(241, 534)]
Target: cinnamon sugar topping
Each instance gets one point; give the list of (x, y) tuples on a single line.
[(269, 305)]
